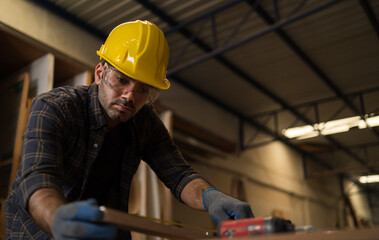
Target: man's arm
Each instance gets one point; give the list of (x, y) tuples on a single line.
[(76, 220), (164, 158), (192, 194), (42, 206)]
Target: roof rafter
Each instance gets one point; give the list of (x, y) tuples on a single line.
[(172, 22), (212, 53), (370, 15), (308, 61), (317, 70)]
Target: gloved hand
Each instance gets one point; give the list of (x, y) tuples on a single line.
[(222, 207), (77, 220)]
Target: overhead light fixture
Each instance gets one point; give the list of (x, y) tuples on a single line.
[(371, 122), (331, 127), (298, 131), (369, 179)]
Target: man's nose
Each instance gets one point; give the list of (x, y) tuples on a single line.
[(130, 91), (129, 95)]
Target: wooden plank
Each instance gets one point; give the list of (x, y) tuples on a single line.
[(21, 125), (127, 222), (83, 78)]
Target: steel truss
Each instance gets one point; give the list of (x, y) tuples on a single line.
[(217, 50), (275, 26), (272, 119)]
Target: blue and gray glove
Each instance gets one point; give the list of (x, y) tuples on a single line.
[(78, 220), (222, 207)]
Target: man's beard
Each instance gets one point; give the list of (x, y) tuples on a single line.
[(124, 103), (121, 116)]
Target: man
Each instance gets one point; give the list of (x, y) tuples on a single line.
[(83, 145)]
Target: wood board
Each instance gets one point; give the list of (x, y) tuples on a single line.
[(127, 222)]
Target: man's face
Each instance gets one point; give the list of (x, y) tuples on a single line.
[(120, 96)]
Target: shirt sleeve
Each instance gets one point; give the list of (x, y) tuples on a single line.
[(164, 157), (41, 152)]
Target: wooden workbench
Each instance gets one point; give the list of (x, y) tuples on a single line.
[(124, 221)]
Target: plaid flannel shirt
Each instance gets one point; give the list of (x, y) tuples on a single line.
[(64, 135)]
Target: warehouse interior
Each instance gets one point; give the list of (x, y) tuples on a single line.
[(243, 74)]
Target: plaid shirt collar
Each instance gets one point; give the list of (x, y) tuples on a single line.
[(97, 117)]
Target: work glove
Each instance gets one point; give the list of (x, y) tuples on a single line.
[(79, 220), (222, 207)]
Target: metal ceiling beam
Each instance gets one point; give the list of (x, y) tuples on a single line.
[(239, 72), (244, 75), (217, 52), (308, 61), (370, 15), (203, 17), (172, 22), (147, 4), (320, 101), (270, 115)]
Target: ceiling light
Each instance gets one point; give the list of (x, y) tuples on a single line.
[(372, 122), (309, 135), (298, 131), (334, 130), (369, 179), (350, 121), (331, 127)]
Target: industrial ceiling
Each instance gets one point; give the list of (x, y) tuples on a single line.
[(273, 64)]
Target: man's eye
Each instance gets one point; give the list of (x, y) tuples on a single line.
[(145, 91), (122, 80)]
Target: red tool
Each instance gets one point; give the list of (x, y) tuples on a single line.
[(254, 226)]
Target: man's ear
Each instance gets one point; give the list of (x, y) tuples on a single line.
[(98, 73)]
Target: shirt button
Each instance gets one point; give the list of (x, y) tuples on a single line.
[(96, 145)]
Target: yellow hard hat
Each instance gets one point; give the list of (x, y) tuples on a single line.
[(139, 50)]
